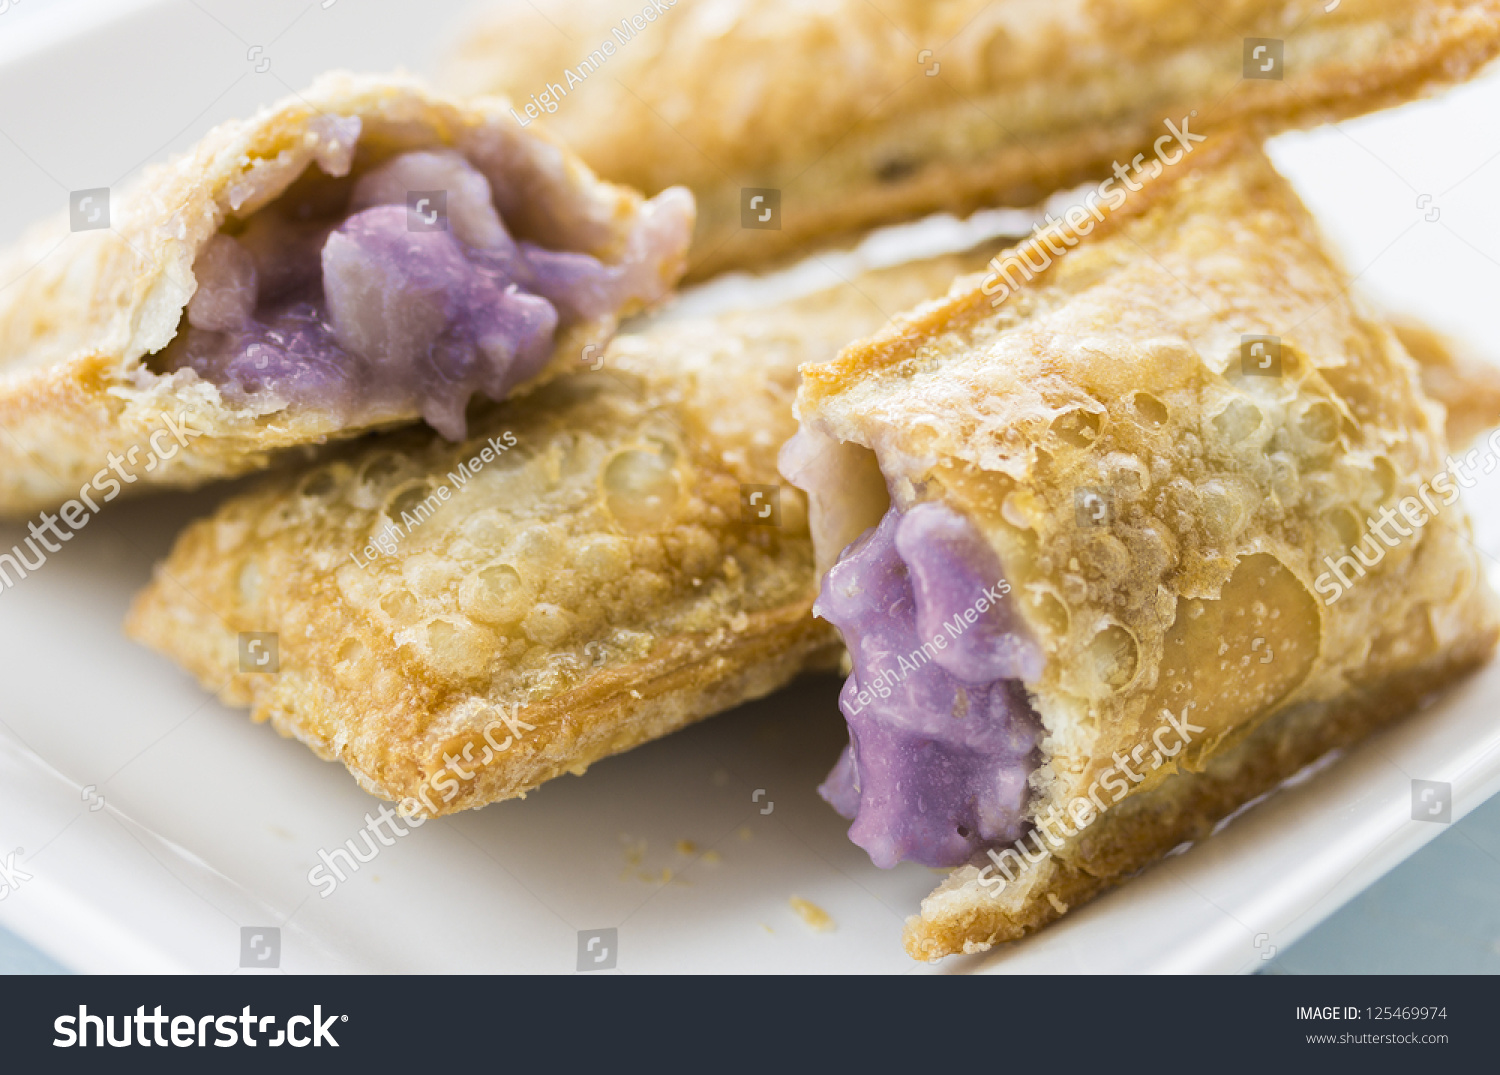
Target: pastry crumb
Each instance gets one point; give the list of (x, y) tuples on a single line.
[(711, 857), (667, 876), (635, 854), (743, 832), (816, 918), (686, 847)]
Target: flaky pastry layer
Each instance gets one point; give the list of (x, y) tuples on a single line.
[(854, 112), (86, 309)]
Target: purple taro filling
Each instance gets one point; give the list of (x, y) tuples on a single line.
[(941, 735), (374, 310)]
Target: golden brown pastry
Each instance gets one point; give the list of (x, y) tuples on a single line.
[(1161, 515), (587, 572), (359, 255), (846, 114), (1466, 384)]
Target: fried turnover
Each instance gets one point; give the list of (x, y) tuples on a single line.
[(359, 255), (1204, 568), (598, 578), (858, 112)]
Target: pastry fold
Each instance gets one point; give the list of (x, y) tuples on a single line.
[(849, 113), (458, 623), (283, 283), (1187, 519)]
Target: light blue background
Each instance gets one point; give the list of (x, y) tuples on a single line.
[(1436, 913)]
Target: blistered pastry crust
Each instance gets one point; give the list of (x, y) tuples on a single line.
[(598, 580), (85, 309), (1116, 377)]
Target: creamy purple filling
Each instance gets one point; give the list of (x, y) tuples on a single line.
[(371, 308), (942, 738)]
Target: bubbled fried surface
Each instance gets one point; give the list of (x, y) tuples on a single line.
[(1163, 514), (599, 565), (84, 310), (868, 111), (597, 579), (964, 916)]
